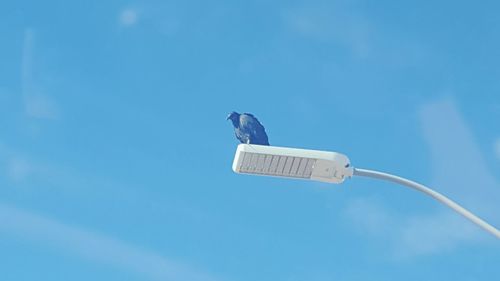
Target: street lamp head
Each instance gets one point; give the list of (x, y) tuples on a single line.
[(294, 163)]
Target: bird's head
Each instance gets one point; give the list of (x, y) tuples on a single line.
[(234, 117)]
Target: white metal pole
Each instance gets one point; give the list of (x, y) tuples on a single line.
[(436, 195)]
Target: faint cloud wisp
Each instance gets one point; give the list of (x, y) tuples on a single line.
[(93, 246), (336, 23), (41, 107), (128, 17), (18, 169), (368, 216), (497, 148), (36, 104)]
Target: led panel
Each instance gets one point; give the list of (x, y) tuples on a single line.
[(291, 162)]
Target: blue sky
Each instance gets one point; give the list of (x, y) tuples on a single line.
[(115, 155)]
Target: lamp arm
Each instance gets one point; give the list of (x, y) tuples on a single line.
[(436, 195)]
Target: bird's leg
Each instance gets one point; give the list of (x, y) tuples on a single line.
[(248, 141)]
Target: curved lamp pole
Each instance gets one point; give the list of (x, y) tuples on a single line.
[(329, 167), (434, 194)]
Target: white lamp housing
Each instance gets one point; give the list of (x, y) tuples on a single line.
[(292, 163)]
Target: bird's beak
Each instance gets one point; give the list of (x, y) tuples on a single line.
[(229, 116)]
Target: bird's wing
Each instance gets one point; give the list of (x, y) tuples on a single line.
[(250, 124)]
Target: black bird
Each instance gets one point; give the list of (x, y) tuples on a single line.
[(248, 129)]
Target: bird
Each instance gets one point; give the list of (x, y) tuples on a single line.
[(248, 129)]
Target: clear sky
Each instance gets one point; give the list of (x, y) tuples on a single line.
[(115, 155)]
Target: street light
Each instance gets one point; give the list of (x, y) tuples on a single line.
[(329, 167)]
